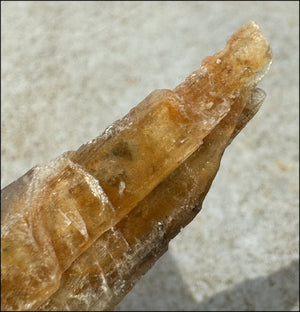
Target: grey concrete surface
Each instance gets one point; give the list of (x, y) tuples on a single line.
[(69, 69)]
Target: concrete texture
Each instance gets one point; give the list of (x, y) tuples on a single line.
[(69, 69)]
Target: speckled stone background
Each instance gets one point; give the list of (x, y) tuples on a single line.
[(69, 69)]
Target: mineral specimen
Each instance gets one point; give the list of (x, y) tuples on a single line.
[(78, 232)]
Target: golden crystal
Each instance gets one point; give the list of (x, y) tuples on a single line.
[(78, 232)]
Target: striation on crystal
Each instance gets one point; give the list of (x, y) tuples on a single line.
[(78, 232)]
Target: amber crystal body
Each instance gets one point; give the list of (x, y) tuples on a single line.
[(78, 232)]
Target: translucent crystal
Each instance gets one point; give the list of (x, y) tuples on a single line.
[(78, 232)]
